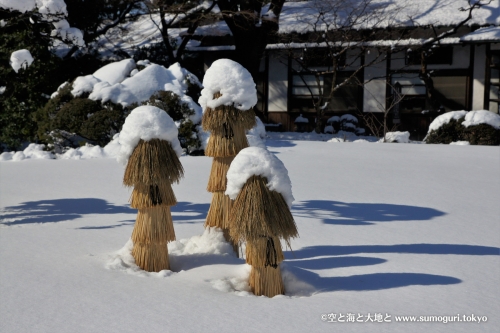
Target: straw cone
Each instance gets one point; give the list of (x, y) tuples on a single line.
[(266, 281), (218, 213), (146, 196), (217, 180), (153, 162), (151, 169), (215, 120), (220, 145), (153, 225), (151, 257), (264, 252), (258, 212)]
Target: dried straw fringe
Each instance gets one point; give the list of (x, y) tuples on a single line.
[(266, 281), (153, 225), (257, 212), (153, 162), (151, 257), (220, 146), (214, 120), (218, 213), (217, 180), (145, 196), (259, 253)]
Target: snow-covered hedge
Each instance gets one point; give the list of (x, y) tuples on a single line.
[(346, 123), (476, 127), (93, 107)]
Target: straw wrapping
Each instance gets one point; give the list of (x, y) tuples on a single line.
[(151, 257), (266, 281), (153, 163), (257, 211)]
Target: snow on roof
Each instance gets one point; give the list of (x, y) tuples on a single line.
[(300, 16), (146, 123), (233, 81), (20, 59), (487, 34), (256, 161)]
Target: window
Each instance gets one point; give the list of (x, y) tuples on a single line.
[(413, 90), (437, 56), (317, 57), (305, 87), (493, 97), (454, 88), (452, 91)]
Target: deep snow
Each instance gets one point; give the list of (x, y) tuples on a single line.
[(399, 229)]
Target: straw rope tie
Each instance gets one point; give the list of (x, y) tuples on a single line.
[(271, 255), (155, 194), (228, 131)]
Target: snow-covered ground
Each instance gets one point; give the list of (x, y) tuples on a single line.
[(390, 229)]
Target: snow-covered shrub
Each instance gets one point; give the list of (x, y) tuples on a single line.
[(397, 137), (482, 128), (328, 129), (482, 134), (332, 125), (446, 128), (477, 127), (93, 107), (348, 123), (360, 131), (301, 124), (446, 133), (69, 122), (181, 113)]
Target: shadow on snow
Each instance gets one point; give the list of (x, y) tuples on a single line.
[(60, 210), (341, 213), (341, 250), (301, 261), (362, 282)]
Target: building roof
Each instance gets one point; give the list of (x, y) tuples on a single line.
[(298, 16), (487, 34), (301, 16)]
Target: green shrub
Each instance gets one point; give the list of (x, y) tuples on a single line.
[(68, 122), (447, 133), (170, 102), (101, 126), (180, 113), (482, 134), (73, 114)]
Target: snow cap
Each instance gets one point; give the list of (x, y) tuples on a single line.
[(20, 59), (255, 161), (147, 123), (482, 117), (233, 81), (445, 118)]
